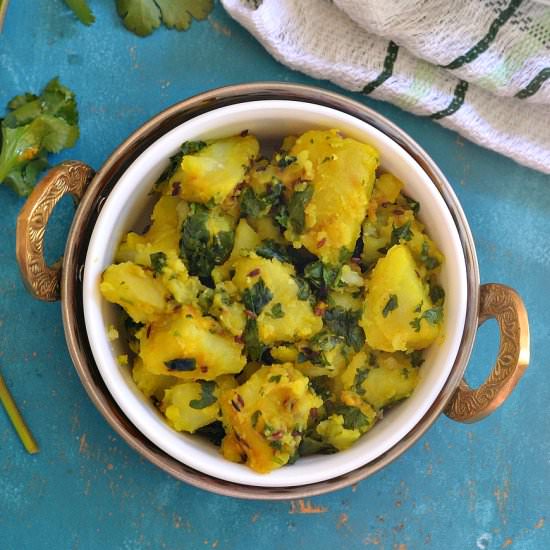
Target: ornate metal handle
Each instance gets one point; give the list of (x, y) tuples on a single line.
[(505, 305), (41, 279)]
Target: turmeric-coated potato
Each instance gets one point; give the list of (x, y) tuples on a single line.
[(266, 417), (398, 314)]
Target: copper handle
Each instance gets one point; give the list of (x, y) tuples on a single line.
[(41, 279), (505, 305)]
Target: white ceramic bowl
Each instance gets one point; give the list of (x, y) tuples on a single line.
[(128, 207)]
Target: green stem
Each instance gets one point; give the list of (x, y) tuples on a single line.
[(3, 10), (16, 419)]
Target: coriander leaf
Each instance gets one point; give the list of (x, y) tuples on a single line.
[(310, 445), (141, 17), (433, 316), (207, 396), (181, 365), (360, 377), (272, 249), (254, 205), (296, 209), (344, 323), (304, 292), (277, 311), (251, 338), (286, 160), (178, 15), (354, 419), (390, 305), (429, 261), (323, 276), (276, 378), (403, 232), (192, 147), (81, 10), (158, 261), (257, 297), (200, 250), (412, 204), (213, 432), (437, 294), (33, 127), (416, 358), (255, 417)]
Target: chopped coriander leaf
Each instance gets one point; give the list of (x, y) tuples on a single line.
[(429, 261), (207, 396), (344, 323), (391, 305), (313, 356), (200, 250), (285, 161), (213, 432), (33, 127), (181, 365), (257, 297), (254, 205), (323, 276), (432, 316), (255, 417), (403, 232), (296, 209), (276, 378), (158, 261), (437, 294), (192, 147), (413, 205), (82, 10), (304, 292), (271, 249), (416, 358), (311, 445), (360, 377), (277, 311), (321, 386), (354, 419), (251, 338)]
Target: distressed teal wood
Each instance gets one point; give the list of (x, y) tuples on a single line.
[(481, 486)]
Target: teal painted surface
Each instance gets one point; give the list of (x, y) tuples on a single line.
[(481, 486)]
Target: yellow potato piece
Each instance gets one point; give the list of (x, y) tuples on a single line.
[(343, 176), (197, 340), (162, 236), (129, 285), (266, 416), (214, 171), (179, 410), (298, 320), (394, 314)]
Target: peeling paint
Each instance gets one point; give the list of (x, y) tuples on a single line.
[(305, 507)]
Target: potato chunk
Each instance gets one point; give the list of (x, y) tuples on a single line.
[(266, 416), (398, 314), (343, 172), (284, 317), (162, 236), (189, 406), (189, 346), (136, 290), (213, 172), (381, 379)]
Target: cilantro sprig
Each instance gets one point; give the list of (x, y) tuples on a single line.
[(142, 17), (33, 127)]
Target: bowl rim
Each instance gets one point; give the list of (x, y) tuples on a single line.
[(84, 219)]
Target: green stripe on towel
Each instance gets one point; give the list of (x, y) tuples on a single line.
[(389, 60), (456, 103), (486, 41), (535, 84)]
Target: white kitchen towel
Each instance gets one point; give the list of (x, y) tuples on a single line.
[(480, 67)]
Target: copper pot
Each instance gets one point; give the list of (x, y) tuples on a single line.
[(63, 281)]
